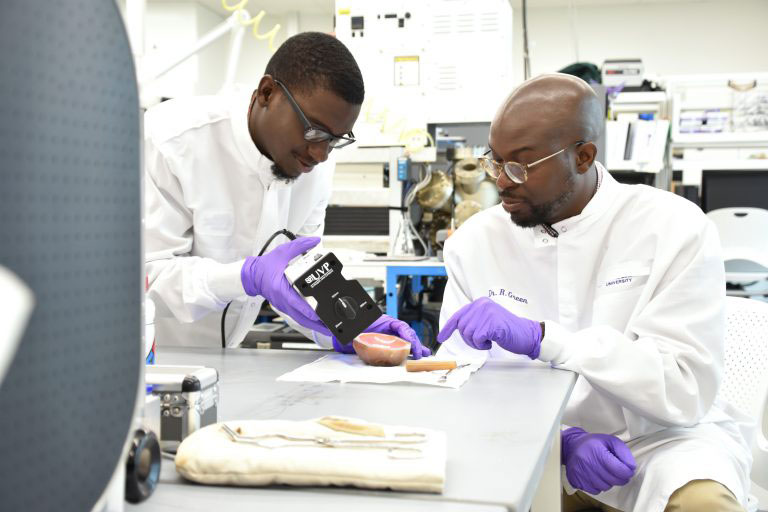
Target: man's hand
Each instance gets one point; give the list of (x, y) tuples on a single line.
[(595, 462), (388, 325), (265, 276), (483, 321)]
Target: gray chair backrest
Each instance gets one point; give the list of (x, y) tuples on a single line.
[(70, 228)]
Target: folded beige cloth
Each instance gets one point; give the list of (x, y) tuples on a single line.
[(417, 463)]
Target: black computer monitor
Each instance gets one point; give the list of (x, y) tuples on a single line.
[(734, 188)]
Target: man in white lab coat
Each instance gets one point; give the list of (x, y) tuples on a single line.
[(623, 285), (224, 173)]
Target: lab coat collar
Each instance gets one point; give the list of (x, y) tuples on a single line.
[(255, 161), (599, 203)]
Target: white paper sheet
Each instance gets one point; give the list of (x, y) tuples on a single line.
[(349, 368)]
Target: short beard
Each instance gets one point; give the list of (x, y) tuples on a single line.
[(544, 213), (281, 175)]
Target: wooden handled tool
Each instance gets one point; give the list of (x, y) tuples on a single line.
[(428, 366)]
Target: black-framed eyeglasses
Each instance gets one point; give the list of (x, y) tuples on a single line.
[(312, 133), (515, 171)]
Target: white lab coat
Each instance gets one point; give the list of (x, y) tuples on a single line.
[(211, 200), (632, 295)]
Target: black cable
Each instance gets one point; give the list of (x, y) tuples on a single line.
[(288, 235), (452, 172)]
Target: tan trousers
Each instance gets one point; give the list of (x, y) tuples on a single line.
[(695, 496)]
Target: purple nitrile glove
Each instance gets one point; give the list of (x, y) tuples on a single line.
[(483, 321), (595, 462), (388, 325), (265, 276)]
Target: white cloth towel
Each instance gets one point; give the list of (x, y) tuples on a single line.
[(350, 368), (210, 456)]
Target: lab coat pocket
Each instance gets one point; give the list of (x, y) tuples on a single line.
[(213, 233), (623, 276), (617, 294)]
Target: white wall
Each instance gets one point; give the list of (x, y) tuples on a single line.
[(172, 26), (718, 36), (256, 54), (213, 62), (672, 37)]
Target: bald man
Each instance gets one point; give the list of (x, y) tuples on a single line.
[(621, 284)]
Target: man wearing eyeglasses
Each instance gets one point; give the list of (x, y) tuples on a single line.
[(223, 174), (621, 284)]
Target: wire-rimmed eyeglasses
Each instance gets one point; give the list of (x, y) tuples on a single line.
[(515, 171)]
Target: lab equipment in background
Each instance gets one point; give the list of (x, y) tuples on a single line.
[(474, 190), (624, 73), (719, 122), (750, 108), (636, 138), (633, 145), (447, 201), (441, 235), (189, 399), (418, 68), (454, 195), (629, 106), (366, 209), (745, 379), (70, 225), (735, 106), (436, 191), (638, 145), (436, 206), (414, 185), (16, 303), (342, 304), (458, 147), (361, 213), (419, 62), (414, 294)]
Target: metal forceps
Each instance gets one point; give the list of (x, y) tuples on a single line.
[(444, 377), (396, 448)]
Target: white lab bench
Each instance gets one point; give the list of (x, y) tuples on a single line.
[(389, 270), (502, 425)]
